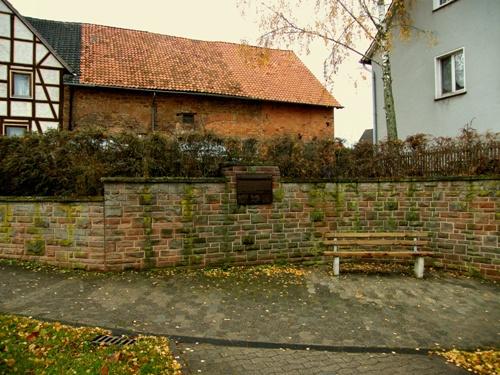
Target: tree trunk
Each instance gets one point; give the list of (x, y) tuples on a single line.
[(390, 113)]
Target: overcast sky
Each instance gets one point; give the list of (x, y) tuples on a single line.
[(219, 20)]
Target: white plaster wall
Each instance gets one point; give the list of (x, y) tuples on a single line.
[(4, 50), (23, 52), (53, 94), (471, 24), (3, 90), (3, 108), (3, 71), (4, 7), (47, 125), (39, 93), (52, 62), (21, 31), (41, 51), (5, 25), (50, 76), (21, 109), (43, 110)]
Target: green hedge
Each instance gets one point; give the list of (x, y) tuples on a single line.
[(73, 163)]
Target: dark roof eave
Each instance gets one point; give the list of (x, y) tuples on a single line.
[(197, 93)]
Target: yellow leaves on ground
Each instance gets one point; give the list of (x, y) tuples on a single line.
[(482, 362), (287, 275), (31, 346), (267, 270)]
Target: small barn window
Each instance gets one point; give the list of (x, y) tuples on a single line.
[(188, 118), (21, 85)]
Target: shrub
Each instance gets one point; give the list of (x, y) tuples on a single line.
[(73, 163)]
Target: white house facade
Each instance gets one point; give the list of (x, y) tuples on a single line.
[(447, 75), (31, 77)]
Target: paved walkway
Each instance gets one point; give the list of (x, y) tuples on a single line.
[(258, 324)]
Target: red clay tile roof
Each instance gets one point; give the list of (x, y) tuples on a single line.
[(137, 59)]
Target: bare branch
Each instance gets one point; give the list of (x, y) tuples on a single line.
[(369, 14), (301, 30), (356, 19)]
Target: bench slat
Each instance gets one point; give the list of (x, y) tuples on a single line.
[(375, 242), (376, 234), (378, 254)]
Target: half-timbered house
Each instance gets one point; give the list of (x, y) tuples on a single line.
[(74, 75), (31, 77)]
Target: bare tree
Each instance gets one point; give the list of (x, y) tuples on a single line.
[(342, 25)]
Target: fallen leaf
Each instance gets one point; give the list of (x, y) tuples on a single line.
[(115, 357), (33, 335)]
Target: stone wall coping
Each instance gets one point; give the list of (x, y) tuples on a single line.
[(163, 180), (51, 199), (388, 179)]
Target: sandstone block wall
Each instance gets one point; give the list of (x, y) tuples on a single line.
[(197, 222), (55, 231)]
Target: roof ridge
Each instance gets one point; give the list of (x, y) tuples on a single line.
[(164, 35)]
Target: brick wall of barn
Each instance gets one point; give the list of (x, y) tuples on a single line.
[(128, 110)]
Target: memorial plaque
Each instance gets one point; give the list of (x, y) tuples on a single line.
[(254, 189)]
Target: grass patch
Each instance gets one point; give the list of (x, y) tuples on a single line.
[(483, 362), (29, 346)]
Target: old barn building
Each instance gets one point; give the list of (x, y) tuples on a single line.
[(73, 75)]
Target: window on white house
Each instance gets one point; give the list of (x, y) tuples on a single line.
[(450, 74), (440, 3), (21, 85), (15, 130)]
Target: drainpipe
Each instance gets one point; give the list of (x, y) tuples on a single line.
[(71, 98), (153, 112), (374, 96)]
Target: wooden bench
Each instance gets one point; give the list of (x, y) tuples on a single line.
[(382, 243)]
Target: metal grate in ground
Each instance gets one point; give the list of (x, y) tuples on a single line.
[(112, 340)]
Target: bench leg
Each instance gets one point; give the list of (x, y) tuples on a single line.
[(419, 267), (336, 266)]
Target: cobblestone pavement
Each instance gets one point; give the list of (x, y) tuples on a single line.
[(220, 360), (355, 310)]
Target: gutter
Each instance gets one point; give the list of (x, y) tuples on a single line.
[(153, 112), (71, 98)]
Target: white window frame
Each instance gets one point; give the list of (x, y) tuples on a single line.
[(438, 81), (25, 72), (436, 5)]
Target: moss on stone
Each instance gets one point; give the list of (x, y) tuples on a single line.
[(146, 198), (279, 195), (248, 240), (391, 205), (66, 243), (167, 232), (317, 216), (391, 224), (412, 216), (35, 247)]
